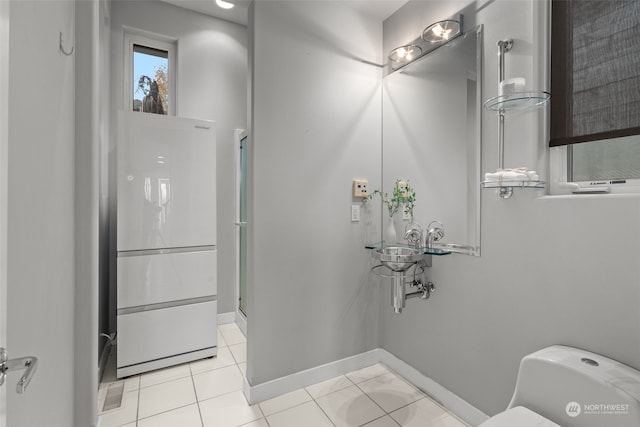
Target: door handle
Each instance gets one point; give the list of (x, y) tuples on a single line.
[(241, 224), (29, 363)]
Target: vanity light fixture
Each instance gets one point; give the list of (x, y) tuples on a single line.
[(405, 53), (224, 4), (441, 31), (433, 37)]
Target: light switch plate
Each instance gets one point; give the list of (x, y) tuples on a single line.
[(360, 188), (355, 213)]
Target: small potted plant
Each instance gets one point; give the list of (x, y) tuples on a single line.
[(398, 197)]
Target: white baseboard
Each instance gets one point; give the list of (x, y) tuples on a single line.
[(241, 321), (224, 318), (273, 388), (446, 398)]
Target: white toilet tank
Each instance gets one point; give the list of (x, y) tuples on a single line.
[(576, 388)]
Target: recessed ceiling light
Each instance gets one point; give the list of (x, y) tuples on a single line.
[(224, 4)]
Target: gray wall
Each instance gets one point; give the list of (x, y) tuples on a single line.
[(553, 270), (316, 126), (211, 85), (40, 223)]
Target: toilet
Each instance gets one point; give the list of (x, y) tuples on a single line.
[(567, 387)]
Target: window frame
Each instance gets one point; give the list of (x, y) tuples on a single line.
[(154, 41), (561, 148)]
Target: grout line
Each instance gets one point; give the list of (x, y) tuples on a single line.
[(195, 392), (138, 407), (164, 412), (323, 411), (371, 398), (286, 409), (219, 395)]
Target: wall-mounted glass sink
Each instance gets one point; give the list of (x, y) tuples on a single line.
[(407, 265), (398, 258)]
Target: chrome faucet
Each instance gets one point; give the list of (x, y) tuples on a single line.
[(413, 235), (435, 232)]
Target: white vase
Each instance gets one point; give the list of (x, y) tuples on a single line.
[(390, 237)]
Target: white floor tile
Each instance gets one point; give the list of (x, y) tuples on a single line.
[(221, 341), (385, 421), (228, 410), (232, 334), (349, 407), (132, 383), (329, 386), (367, 373), (390, 391), (308, 415), (243, 368), (125, 414), (166, 396), (425, 412), (286, 401), (187, 416), (163, 375), (257, 423), (224, 358), (219, 381), (239, 352)]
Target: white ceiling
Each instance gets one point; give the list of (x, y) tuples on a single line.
[(237, 14), (379, 9)]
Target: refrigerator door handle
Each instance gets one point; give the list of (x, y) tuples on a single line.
[(241, 224)]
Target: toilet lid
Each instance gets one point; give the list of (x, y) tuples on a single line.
[(518, 416)]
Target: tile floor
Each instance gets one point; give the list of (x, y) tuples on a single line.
[(208, 393)]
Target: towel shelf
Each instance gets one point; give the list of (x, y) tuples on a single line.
[(513, 102), (505, 188), (512, 184), (519, 101)]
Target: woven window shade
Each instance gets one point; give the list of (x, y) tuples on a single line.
[(595, 70)]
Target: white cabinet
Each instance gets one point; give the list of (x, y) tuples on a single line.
[(148, 339), (166, 182), (166, 241)]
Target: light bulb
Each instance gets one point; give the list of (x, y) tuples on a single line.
[(224, 4)]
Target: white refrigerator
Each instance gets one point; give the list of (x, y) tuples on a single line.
[(166, 241)]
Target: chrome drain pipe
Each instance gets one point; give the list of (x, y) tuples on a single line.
[(397, 292)]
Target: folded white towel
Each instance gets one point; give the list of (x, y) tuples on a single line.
[(514, 174), (510, 86)]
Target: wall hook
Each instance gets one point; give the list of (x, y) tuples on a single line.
[(62, 47)]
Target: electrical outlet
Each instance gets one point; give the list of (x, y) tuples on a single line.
[(403, 186), (360, 188), (355, 213)]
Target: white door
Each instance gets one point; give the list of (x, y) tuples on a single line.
[(4, 102), (4, 87), (37, 212)]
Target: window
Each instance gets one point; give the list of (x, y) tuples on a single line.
[(595, 86), (149, 65)]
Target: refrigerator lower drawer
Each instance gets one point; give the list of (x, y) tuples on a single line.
[(157, 278), (166, 332)]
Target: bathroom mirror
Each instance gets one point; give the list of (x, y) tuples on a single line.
[(431, 137)]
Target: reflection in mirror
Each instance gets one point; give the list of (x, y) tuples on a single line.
[(431, 137)]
